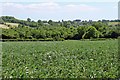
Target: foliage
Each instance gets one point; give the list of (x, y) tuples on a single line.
[(91, 33), (66, 30)]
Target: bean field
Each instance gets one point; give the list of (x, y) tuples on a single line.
[(60, 59)]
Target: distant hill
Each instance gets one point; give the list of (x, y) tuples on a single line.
[(31, 23)]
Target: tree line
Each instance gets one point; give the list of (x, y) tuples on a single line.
[(59, 30)]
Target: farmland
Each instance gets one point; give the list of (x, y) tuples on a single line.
[(12, 24), (4, 26), (8, 25), (60, 59), (113, 23)]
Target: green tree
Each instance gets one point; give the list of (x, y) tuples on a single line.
[(28, 19), (81, 31), (50, 22), (92, 32), (40, 22)]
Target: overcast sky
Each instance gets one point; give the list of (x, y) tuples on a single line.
[(60, 9)]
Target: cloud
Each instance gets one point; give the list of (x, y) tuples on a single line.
[(48, 9), (15, 5), (43, 6), (50, 6), (81, 8), (37, 6)]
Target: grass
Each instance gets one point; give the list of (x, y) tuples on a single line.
[(60, 59)]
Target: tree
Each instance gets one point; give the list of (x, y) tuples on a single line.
[(1, 21), (50, 22), (81, 31), (28, 19), (40, 22), (92, 32)]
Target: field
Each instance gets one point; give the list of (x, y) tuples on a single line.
[(11, 24), (4, 26), (60, 59), (113, 23)]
